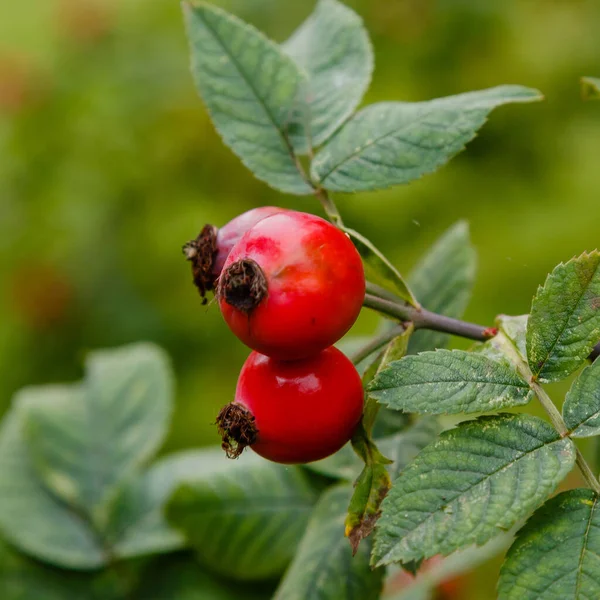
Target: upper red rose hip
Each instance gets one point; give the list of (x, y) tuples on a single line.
[(293, 285), (293, 411)]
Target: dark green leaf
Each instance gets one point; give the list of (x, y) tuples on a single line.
[(379, 269), (244, 518), (564, 324), (30, 517), (442, 282), (323, 568), (250, 88), (86, 440), (556, 555), (449, 382), (333, 47), (396, 142), (581, 409), (590, 88), (473, 483)]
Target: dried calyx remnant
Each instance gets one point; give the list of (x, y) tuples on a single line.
[(243, 285), (237, 429), (202, 252)]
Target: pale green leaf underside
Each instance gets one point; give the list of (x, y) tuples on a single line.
[(515, 329), (396, 142), (324, 568), (243, 518), (442, 282), (581, 410), (590, 88), (564, 324), (333, 47), (400, 448), (250, 89), (30, 516), (449, 382), (137, 522), (379, 269), (474, 482), (86, 442), (556, 555)]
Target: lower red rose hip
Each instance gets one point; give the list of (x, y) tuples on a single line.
[(293, 412)]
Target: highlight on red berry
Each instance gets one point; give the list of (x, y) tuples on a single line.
[(292, 286), (210, 249), (293, 412)]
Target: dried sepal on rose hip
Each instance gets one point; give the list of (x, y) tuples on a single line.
[(210, 249), (292, 286), (293, 412)]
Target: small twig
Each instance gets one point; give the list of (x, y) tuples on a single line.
[(377, 343)]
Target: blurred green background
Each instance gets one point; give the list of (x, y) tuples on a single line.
[(108, 164)]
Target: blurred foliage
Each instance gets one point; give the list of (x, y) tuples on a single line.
[(108, 164)]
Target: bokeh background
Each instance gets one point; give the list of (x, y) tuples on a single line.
[(108, 164)]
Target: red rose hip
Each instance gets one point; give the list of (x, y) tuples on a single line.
[(293, 285), (209, 250), (293, 412)]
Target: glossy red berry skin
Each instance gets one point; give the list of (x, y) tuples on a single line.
[(314, 286), (304, 410), (232, 232)]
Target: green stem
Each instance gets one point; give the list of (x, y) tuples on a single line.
[(506, 346), (333, 214)]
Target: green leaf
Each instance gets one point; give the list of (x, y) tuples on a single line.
[(400, 448), (244, 518), (86, 440), (379, 270), (473, 483), (590, 88), (250, 88), (333, 47), (324, 568), (581, 410), (137, 522), (555, 555), (396, 142), (442, 282), (449, 382), (564, 324), (30, 516)]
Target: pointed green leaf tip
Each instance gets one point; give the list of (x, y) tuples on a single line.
[(449, 382), (333, 47), (556, 554), (396, 142), (250, 88), (590, 88), (564, 324), (473, 483)]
